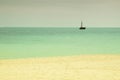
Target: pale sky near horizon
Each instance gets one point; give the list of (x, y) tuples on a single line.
[(59, 13)]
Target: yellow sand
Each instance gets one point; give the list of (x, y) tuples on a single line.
[(84, 67)]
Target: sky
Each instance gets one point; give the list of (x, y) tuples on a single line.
[(59, 13)]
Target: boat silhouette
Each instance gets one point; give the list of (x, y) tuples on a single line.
[(81, 27)]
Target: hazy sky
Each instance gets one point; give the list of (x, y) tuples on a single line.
[(59, 13)]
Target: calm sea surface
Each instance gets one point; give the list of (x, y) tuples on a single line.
[(44, 42)]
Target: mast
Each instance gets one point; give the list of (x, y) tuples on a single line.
[(81, 24)]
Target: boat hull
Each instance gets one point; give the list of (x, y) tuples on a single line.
[(82, 28)]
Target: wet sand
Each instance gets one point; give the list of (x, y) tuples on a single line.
[(83, 67)]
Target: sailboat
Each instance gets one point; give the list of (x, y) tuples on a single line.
[(82, 28)]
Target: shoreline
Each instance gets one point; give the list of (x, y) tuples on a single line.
[(84, 67)]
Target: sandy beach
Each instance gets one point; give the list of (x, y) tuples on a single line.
[(83, 67)]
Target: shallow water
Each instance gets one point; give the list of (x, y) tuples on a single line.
[(44, 42)]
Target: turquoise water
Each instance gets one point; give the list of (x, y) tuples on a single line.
[(44, 42)]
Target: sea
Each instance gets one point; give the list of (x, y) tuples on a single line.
[(32, 42)]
